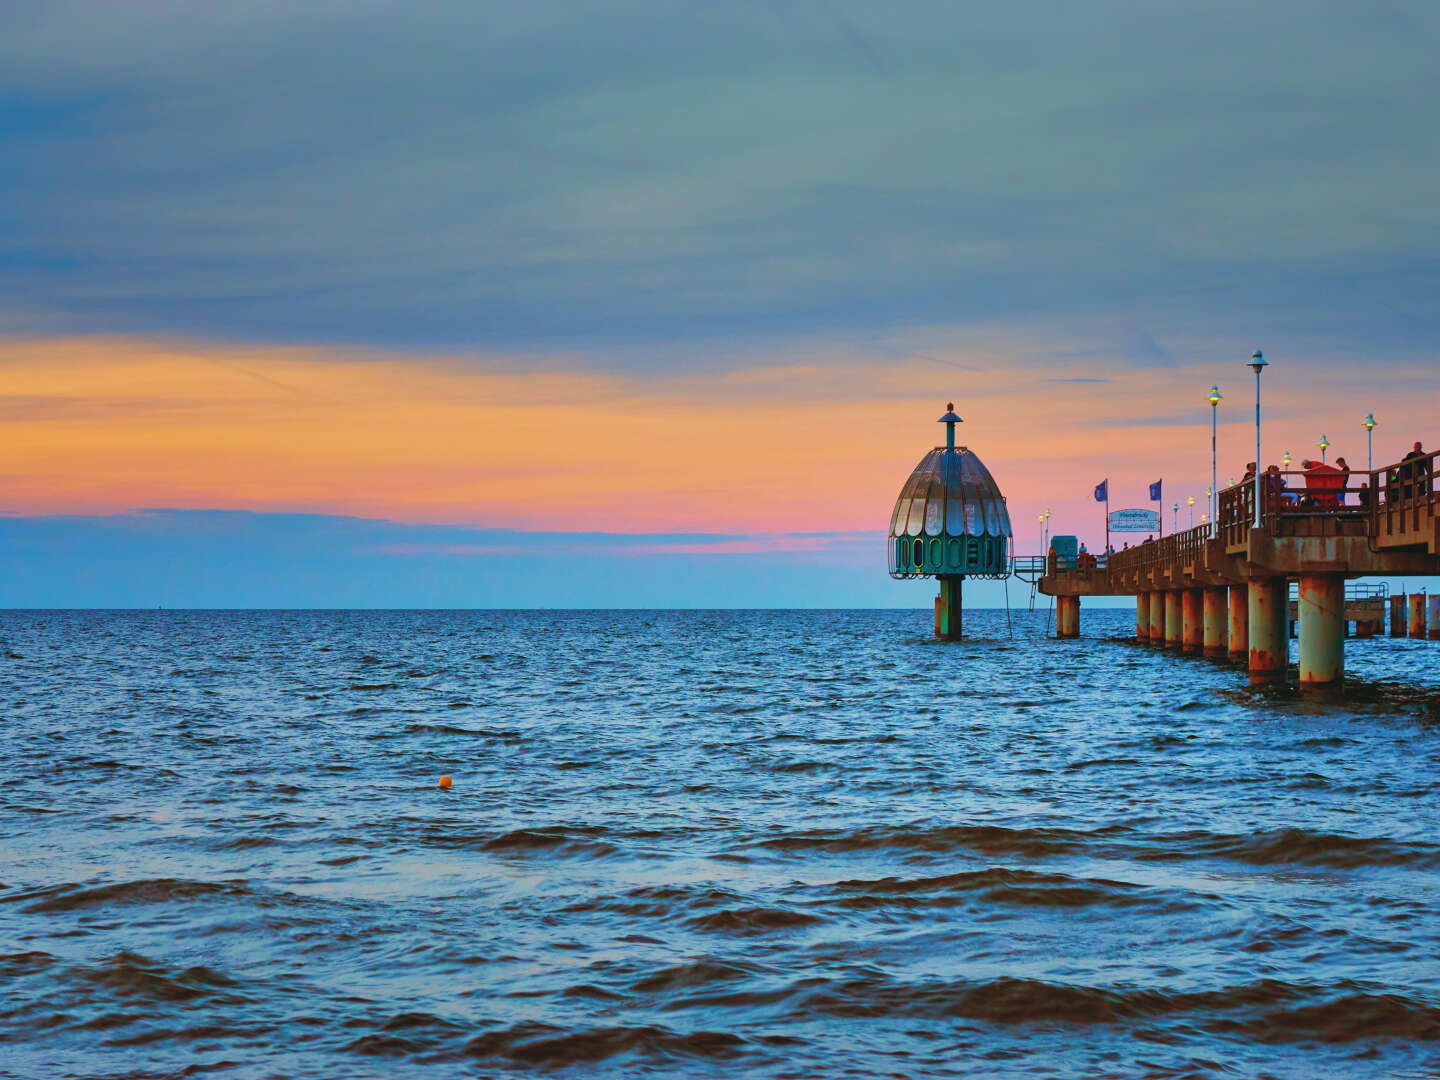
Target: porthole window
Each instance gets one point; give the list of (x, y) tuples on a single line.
[(899, 554), (935, 553), (918, 553), (953, 548)]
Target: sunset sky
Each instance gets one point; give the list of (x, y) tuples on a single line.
[(655, 304)]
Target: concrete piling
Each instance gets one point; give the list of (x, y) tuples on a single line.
[(1157, 618), (1322, 631), (1192, 628), (1214, 619), (1417, 615), (1142, 616), (1397, 615), (1269, 602), (1174, 620), (1238, 639), (1067, 616)]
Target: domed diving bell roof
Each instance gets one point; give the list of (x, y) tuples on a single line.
[(950, 519)]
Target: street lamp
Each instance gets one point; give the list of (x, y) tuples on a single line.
[(1175, 518), (1214, 398), (1257, 365), (1285, 459), (1369, 423), (1324, 445), (1190, 501)]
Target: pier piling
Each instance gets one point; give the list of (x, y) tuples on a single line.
[(1174, 620), (1397, 615), (1432, 616), (1239, 636), (1192, 633), (1215, 613), (1142, 616), (1322, 630), (1067, 616), (1417, 615), (1157, 618), (1269, 641)]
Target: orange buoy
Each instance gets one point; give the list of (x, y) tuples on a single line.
[(445, 782)]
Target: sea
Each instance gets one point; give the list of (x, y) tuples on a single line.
[(764, 844)]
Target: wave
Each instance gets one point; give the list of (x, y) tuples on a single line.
[(1291, 846), (75, 896), (752, 920), (1278, 1011), (546, 1045)]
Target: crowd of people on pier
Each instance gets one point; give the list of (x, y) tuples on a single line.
[(1325, 486)]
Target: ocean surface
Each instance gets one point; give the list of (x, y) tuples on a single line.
[(713, 844)]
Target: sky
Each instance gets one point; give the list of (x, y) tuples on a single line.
[(645, 303)]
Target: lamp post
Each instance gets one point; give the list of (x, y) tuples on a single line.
[(1175, 518), (1214, 398), (1257, 365), (1190, 502), (1285, 459), (1324, 445), (1369, 423)]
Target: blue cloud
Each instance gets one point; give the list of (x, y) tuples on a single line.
[(426, 174)]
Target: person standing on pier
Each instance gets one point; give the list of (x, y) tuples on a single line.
[(1344, 467)]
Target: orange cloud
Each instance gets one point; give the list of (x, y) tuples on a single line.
[(791, 443)]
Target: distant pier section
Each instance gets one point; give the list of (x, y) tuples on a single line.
[(1222, 589)]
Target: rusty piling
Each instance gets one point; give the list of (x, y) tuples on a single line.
[(1157, 618), (1214, 620), (1142, 616), (1192, 628), (1238, 639), (1432, 616), (1269, 642), (1174, 620), (1067, 616), (1322, 631), (1397, 615), (1417, 615)]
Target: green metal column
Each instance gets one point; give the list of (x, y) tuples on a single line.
[(948, 611)]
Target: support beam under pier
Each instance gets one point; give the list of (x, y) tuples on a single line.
[(1215, 613), (1322, 631), (1157, 618), (1192, 620), (1239, 635), (1174, 620), (1067, 616), (1269, 632), (1142, 616)]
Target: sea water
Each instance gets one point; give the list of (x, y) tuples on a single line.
[(731, 843)]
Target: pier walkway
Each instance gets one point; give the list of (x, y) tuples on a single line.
[(1222, 588)]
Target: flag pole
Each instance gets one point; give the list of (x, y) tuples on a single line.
[(1107, 525)]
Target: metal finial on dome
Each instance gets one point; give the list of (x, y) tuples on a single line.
[(950, 420)]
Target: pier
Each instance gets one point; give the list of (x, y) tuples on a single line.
[(1222, 589)]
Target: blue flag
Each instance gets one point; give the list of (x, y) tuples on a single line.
[(1155, 491), (1102, 491)]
